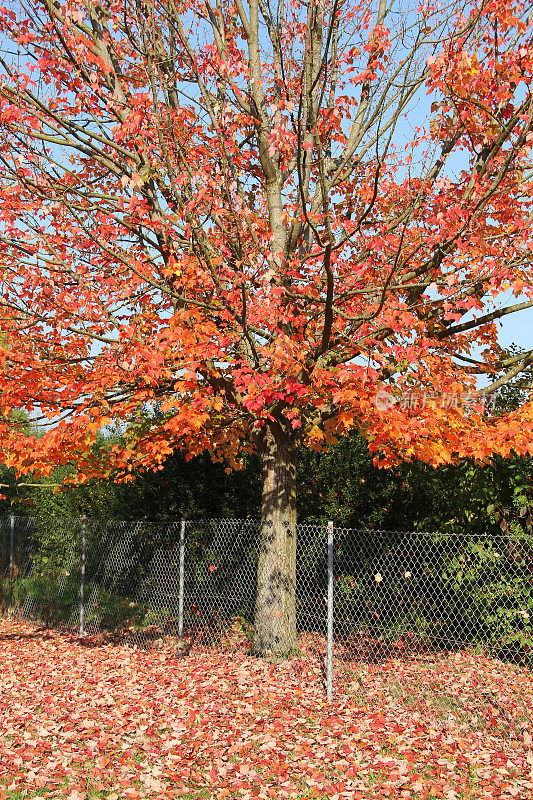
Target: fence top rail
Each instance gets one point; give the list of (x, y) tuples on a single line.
[(444, 534), (302, 527), (159, 523)]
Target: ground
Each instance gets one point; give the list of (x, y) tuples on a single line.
[(82, 720)]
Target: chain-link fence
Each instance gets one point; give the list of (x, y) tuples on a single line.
[(440, 625), (397, 591), (363, 597), (191, 582)]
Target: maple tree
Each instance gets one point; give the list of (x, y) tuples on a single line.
[(215, 208)]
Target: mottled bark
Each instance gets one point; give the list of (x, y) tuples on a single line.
[(275, 611)]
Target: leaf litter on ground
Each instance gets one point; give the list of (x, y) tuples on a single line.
[(82, 720)]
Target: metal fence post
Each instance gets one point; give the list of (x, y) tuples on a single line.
[(329, 660), (181, 588), (82, 580), (11, 556)]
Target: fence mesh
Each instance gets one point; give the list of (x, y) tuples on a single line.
[(438, 624), (401, 590), (133, 573), (399, 598)]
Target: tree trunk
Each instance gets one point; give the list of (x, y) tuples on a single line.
[(275, 609)]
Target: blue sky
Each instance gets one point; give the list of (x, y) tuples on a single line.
[(518, 329)]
